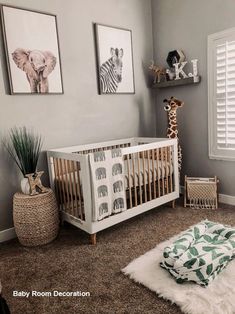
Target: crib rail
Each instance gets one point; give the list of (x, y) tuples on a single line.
[(99, 149), (80, 149)]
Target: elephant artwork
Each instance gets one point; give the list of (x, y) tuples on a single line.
[(103, 208), (102, 191), (100, 173), (116, 169), (116, 153), (37, 65), (99, 156), (118, 203), (117, 186)]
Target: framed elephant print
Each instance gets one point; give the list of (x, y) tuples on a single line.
[(32, 51), (114, 60)]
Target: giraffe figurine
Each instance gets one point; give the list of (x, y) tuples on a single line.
[(172, 131)]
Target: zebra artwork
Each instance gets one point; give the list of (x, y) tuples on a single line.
[(111, 72)]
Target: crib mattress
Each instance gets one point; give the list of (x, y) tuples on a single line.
[(140, 176)]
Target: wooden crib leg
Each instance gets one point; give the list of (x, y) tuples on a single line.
[(93, 238), (173, 204)]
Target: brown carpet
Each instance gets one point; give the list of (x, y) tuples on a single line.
[(70, 264)]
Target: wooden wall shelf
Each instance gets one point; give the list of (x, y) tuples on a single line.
[(174, 83)]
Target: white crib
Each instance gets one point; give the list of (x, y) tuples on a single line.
[(151, 179)]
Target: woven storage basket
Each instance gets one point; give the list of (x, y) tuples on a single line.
[(36, 218), (201, 192)]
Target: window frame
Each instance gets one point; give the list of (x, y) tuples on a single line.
[(214, 152)]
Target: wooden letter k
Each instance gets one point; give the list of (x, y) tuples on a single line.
[(35, 182)]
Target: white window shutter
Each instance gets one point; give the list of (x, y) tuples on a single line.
[(221, 95)]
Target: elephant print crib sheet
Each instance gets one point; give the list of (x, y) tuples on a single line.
[(107, 174)]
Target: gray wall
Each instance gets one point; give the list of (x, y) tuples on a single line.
[(185, 24), (80, 115)]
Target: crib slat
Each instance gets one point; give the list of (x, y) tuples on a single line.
[(162, 165), (139, 178), (149, 177), (66, 175), (170, 174), (62, 183), (74, 188), (56, 181), (71, 187), (144, 179), (68, 186), (129, 179), (158, 173), (134, 177), (166, 169), (78, 186), (153, 174)]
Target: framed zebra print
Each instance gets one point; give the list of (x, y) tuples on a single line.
[(114, 55)]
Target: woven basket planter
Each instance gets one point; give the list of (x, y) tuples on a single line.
[(36, 218)]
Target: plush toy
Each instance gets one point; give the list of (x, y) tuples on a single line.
[(158, 72), (170, 74), (172, 131)]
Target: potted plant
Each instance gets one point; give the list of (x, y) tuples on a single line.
[(24, 147)]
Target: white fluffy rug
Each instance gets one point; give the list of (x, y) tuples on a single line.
[(217, 298)]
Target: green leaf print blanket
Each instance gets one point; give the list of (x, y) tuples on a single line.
[(200, 253)]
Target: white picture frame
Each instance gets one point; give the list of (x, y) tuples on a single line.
[(114, 54), (32, 51)]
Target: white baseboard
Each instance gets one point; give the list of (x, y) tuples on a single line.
[(8, 234), (227, 199), (223, 198)]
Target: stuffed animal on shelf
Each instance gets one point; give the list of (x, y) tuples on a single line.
[(158, 72), (170, 74), (172, 131)]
